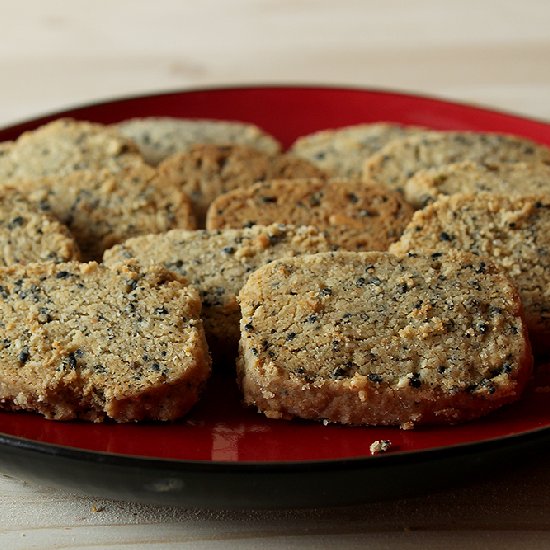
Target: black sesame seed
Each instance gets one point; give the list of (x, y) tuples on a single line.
[(228, 250), (155, 367), (444, 236), (290, 336), (63, 275), (161, 310), (24, 356), (18, 221), (352, 197), (268, 199), (482, 327), (441, 369), (311, 318), (375, 377), (415, 381), (326, 291), (254, 352), (71, 359), (437, 255), (360, 281), (249, 327), (338, 373)]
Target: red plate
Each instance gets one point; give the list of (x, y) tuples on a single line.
[(220, 433)]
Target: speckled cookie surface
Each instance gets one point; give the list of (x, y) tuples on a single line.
[(467, 177), (65, 146), (103, 208), (354, 216), (207, 171), (218, 263), (342, 151), (85, 341), (28, 235), (369, 338), (400, 159), (160, 137), (513, 231)]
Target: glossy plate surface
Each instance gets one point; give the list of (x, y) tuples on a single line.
[(220, 436)]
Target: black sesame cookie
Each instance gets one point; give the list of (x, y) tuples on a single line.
[(103, 208), (354, 216), (28, 235), (65, 146), (160, 137), (505, 178), (342, 151), (401, 159), (513, 231), (206, 171), (370, 338), (218, 263), (85, 341)]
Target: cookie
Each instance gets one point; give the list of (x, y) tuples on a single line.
[(353, 215), (28, 235), (504, 178), (207, 171), (342, 151), (513, 231), (370, 338), (160, 137), (401, 159), (62, 147), (218, 264), (85, 341), (103, 208)]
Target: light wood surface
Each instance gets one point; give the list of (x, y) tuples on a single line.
[(57, 53)]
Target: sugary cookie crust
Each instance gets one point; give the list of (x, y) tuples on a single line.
[(65, 146), (85, 341), (400, 159), (514, 232), (207, 171), (218, 263), (103, 208), (160, 137), (369, 338), (354, 216), (29, 235), (342, 151), (503, 178)]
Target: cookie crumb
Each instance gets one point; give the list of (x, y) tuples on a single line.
[(380, 446)]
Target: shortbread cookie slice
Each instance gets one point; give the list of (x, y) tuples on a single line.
[(354, 216), (65, 146), (342, 151), (370, 338), (207, 171), (401, 159), (218, 264), (28, 235), (513, 231), (104, 208), (503, 178), (85, 341), (160, 137)]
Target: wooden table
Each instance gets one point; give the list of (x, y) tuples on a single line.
[(55, 54)]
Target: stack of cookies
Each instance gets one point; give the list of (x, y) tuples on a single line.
[(372, 275)]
